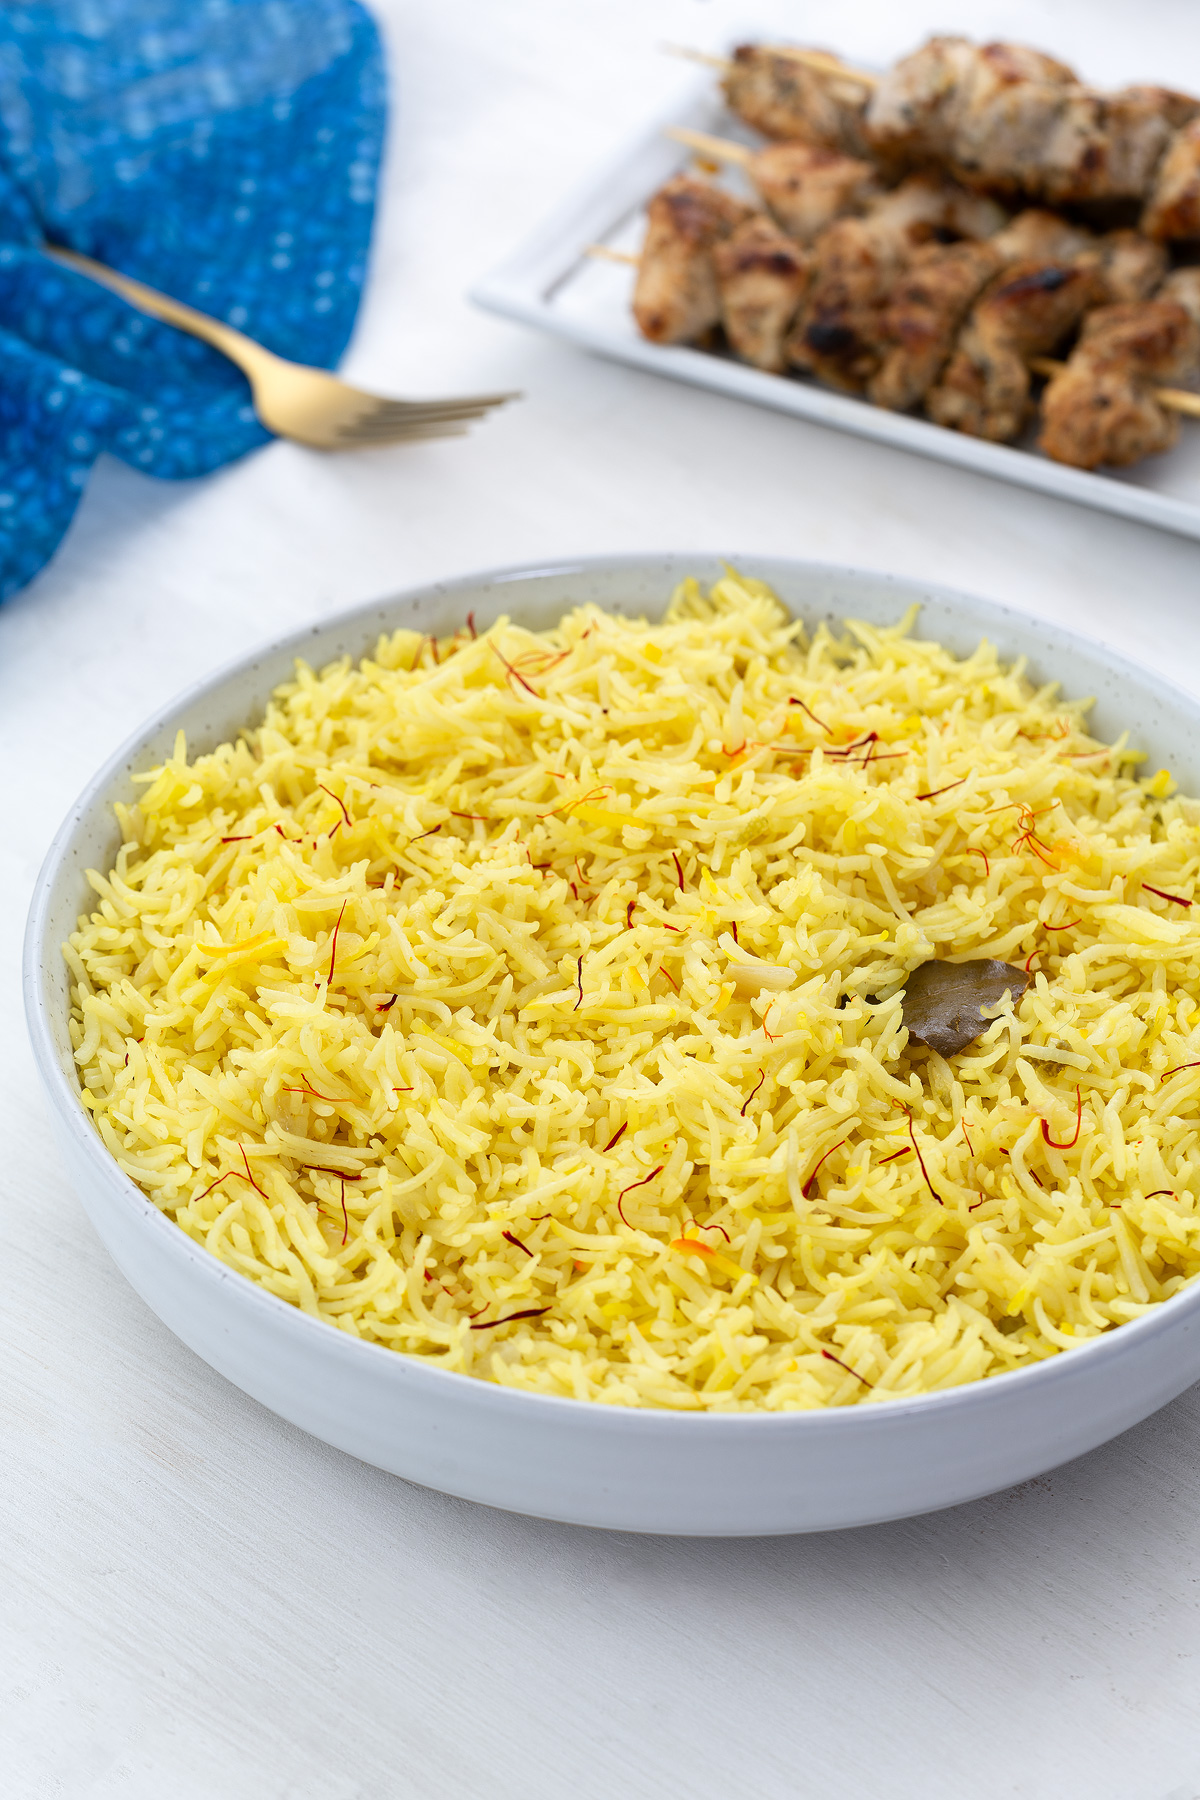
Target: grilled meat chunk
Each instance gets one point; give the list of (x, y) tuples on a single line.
[(1176, 108), (1010, 120), (1026, 312), (1101, 408), (1173, 210), (793, 101), (858, 262), (675, 298), (762, 275), (918, 326), (1099, 147), (1040, 236), (950, 91), (1184, 288), (805, 187), (1130, 267)]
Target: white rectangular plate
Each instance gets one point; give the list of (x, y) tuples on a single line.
[(552, 283)]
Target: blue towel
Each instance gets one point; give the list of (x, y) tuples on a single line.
[(225, 151)]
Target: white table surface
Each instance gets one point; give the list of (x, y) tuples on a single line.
[(198, 1601)]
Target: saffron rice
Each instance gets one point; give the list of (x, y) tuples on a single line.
[(532, 1005)]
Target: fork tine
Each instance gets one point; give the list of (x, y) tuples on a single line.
[(367, 432), (350, 437), (449, 402), (377, 425), (393, 411), (385, 421)]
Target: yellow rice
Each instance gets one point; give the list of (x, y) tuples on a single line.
[(617, 938)]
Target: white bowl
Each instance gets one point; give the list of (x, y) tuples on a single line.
[(623, 1468)]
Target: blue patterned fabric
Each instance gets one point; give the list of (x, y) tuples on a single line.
[(225, 151)]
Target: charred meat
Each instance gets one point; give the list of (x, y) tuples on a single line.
[(1101, 408), (952, 95), (858, 262), (676, 298), (793, 101), (1129, 267), (805, 187), (761, 275), (1173, 210), (1010, 120), (920, 322), (1028, 311)]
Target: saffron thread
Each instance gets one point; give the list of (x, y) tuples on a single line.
[(616, 1137), (1071, 1143), (249, 1176), (848, 1369), (333, 951), (516, 1240), (341, 803), (515, 674), (762, 1076), (530, 1312), (806, 1190), (793, 701), (934, 792), (1176, 899), (630, 1188), (304, 1088), (579, 983), (925, 1172), (711, 1225)]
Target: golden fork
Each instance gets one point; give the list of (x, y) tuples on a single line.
[(292, 400)]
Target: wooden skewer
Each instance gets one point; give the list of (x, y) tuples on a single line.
[(824, 63), (1174, 399), (722, 149), (686, 52), (821, 60)]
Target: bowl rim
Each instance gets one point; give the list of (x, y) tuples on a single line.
[(402, 1368)]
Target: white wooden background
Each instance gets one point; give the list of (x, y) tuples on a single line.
[(198, 1601)]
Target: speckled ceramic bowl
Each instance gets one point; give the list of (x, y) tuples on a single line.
[(611, 1466)]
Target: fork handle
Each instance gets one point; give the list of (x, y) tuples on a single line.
[(250, 357)]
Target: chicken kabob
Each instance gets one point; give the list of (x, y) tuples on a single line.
[(876, 303), (830, 245), (709, 259), (1105, 405), (1000, 118)]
